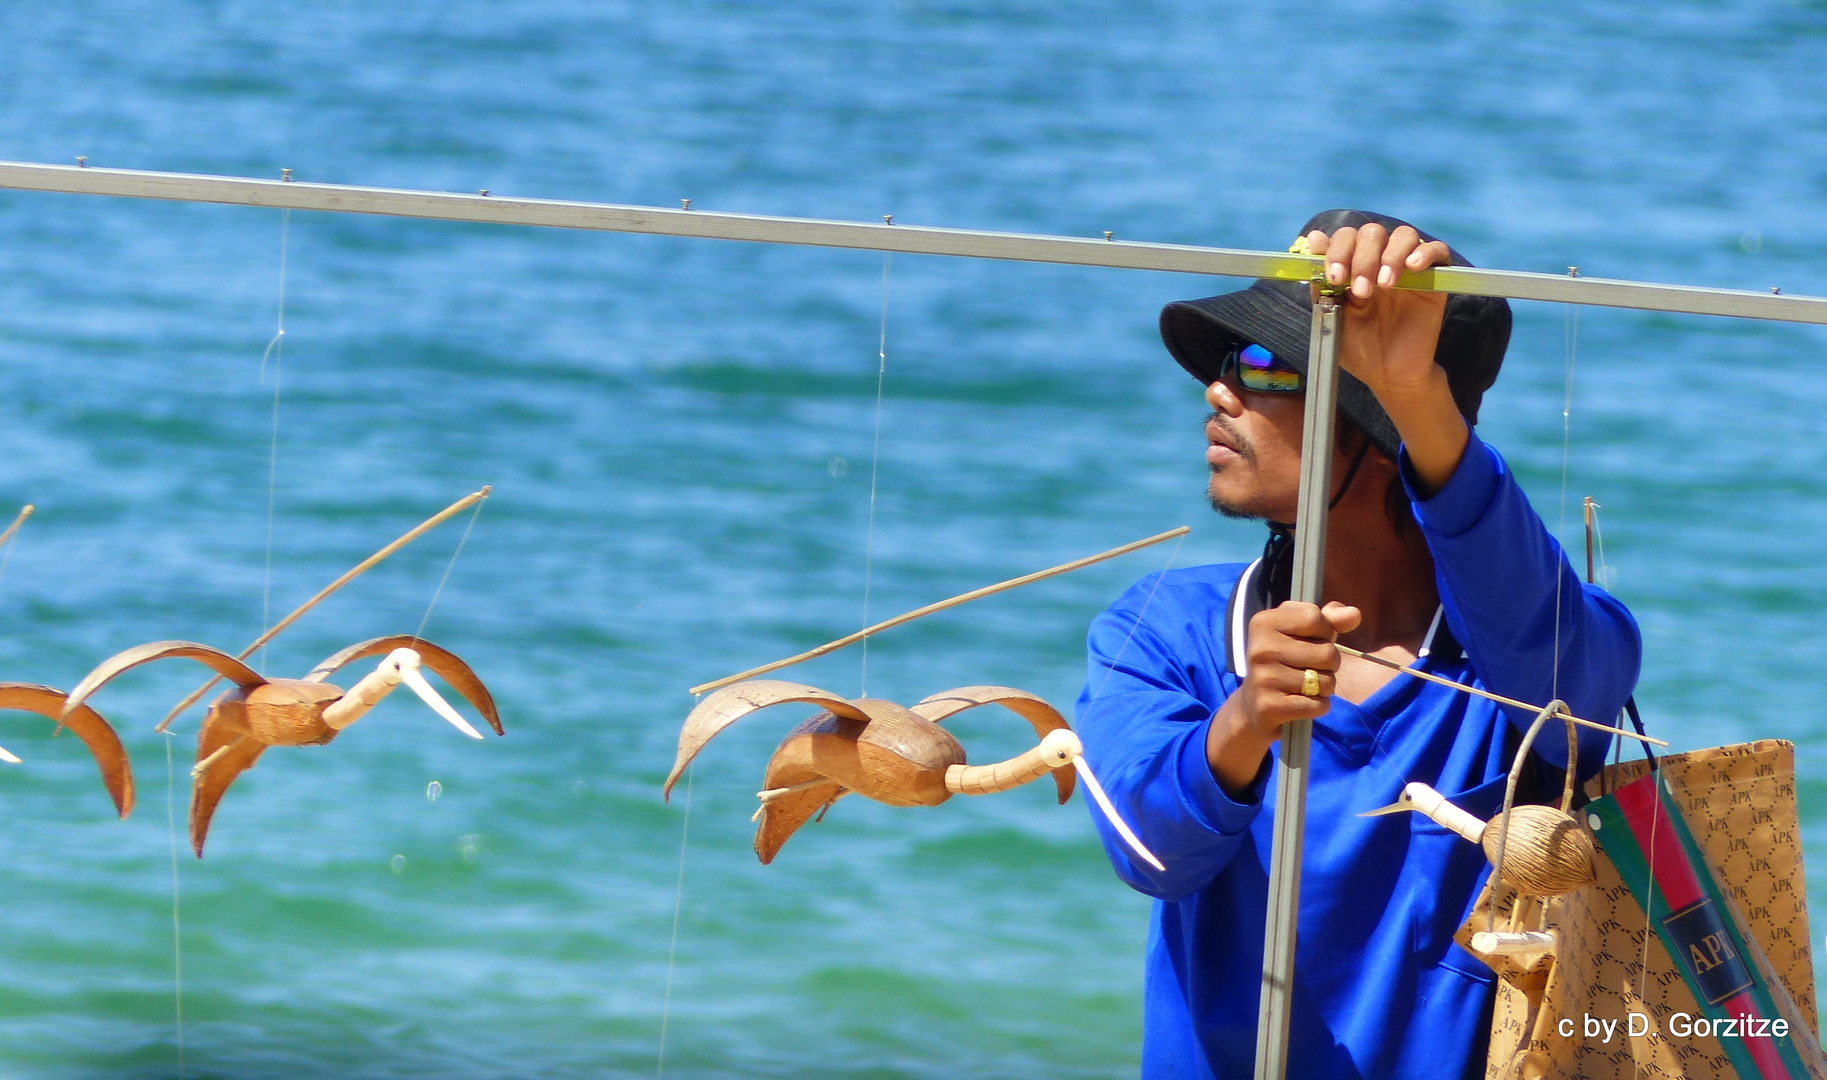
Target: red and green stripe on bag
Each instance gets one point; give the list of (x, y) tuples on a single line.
[(1643, 832)]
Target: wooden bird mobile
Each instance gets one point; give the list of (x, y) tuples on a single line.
[(1548, 851), (96, 733), (261, 712), (893, 754)]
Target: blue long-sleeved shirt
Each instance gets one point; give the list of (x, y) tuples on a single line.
[(1380, 988)]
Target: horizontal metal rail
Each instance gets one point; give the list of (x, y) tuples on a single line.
[(869, 236)]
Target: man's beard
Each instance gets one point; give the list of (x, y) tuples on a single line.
[(1247, 456), (1236, 512)]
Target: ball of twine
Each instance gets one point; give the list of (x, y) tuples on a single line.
[(1548, 852)]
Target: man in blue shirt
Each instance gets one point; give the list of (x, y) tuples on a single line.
[(1435, 559)]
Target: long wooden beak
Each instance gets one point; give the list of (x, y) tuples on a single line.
[(1404, 804), (732, 703), (1030, 707), (448, 666), (1422, 799), (96, 733), (398, 668), (220, 662)]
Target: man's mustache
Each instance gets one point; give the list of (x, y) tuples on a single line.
[(1231, 436)]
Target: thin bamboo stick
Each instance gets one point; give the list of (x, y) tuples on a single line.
[(360, 568), (1499, 698), (24, 512), (963, 598)]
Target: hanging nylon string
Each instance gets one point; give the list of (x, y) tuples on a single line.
[(1573, 341), (419, 634), (177, 934), (1572, 350), (875, 462), (275, 350), (1149, 599), (1596, 539), (1598, 536), (672, 951), (1597, 574)]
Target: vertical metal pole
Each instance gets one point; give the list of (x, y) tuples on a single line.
[(1297, 737)]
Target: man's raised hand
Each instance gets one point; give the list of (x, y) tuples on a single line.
[(1388, 336)]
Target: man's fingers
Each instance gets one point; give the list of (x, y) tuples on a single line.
[(1295, 619), (1343, 617), (1279, 708), (1275, 651), (1402, 244), (1338, 255), (1372, 254), (1432, 253), (1300, 621), (1366, 258), (1328, 684)]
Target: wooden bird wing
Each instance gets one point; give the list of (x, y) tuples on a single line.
[(732, 703), (96, 733), (781, 817), (218, 661), (209, 788), (447, 664), (1030, 707)]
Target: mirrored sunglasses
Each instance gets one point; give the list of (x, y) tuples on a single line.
[(1258, 370)]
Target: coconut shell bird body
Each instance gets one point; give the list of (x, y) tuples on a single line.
[(894, 754), (1547, 851), (260, 712)]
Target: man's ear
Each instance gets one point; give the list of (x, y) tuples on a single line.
[(1347, 440), (1350, 439)]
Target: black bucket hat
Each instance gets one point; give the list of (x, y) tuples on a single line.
[(1278, 315)]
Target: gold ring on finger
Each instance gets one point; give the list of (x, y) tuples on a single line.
[(1309, 683)]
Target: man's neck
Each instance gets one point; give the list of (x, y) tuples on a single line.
[(1387, 575)]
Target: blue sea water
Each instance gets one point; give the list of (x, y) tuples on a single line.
[(681, 436)]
